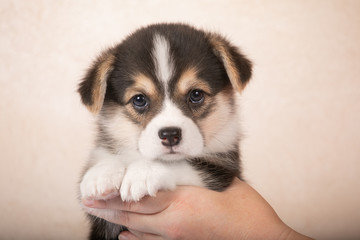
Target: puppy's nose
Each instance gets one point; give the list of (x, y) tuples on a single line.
[(170, 136)]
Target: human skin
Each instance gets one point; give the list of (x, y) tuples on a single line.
[(197, 213)]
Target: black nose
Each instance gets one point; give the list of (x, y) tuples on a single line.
[(170, 136)]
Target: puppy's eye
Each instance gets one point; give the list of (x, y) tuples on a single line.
[(196, 96), (140, 102)]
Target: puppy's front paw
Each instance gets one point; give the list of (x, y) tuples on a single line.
[(145, 179), (102, 181)]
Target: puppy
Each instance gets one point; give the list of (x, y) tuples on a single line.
[(164, 99)]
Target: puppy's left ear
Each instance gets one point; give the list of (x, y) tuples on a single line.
[(237, 66)]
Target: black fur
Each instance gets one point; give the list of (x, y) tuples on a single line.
[(218, 170)]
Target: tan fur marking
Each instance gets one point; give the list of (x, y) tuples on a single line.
[(218, 116), (189, 81), (99, 88), (221, 49), (142, 85)]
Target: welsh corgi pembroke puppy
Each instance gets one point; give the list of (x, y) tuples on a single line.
[(165, 105)]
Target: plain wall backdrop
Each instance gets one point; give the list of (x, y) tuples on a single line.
[(300, 113)]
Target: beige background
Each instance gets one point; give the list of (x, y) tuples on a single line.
[(300, 114)]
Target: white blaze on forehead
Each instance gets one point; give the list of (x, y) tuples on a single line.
[(163, 63)]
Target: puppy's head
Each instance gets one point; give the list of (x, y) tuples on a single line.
[(167, 91)]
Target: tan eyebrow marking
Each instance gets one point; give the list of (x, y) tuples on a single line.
[(142, 84), (189, 80)]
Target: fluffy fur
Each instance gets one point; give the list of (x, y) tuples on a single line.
[(166, 115)]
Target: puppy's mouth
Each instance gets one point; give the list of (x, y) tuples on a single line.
[(172, 151), (171, 154)]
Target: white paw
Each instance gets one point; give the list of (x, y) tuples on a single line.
[(143, 179), (102, 181)]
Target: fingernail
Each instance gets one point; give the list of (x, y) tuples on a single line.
[(88, 202), (123, 236)]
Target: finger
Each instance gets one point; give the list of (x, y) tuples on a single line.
[(132, 235), (138, 222), (107, 214), (128, 236), (147, 205)]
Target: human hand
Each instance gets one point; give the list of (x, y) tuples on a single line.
[(197, 213)]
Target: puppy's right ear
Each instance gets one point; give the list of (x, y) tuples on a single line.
[(92, 88)]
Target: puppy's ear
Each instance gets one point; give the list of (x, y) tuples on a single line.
[(93, 86), (237, 66)]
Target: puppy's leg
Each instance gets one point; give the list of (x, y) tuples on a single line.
[(103, 178), (148, 177)]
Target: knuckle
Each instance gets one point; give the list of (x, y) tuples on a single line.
[(131, 206), (104, 203), (125, 219)]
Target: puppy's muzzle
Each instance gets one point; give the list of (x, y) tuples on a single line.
[(170, 136)]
